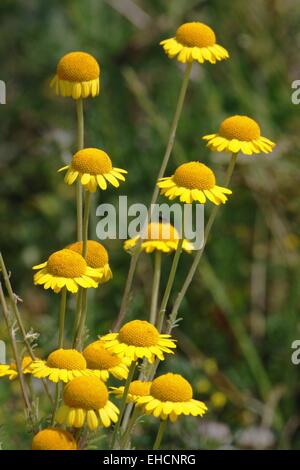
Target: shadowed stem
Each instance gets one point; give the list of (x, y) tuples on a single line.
[(80, 330), (128, 427), (123, 403), (160, 434), (85, 228), (80, 145), (62, 314), (155, 286)]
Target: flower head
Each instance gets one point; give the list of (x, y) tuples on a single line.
[(239, 134), (137, 389), (77, 75), (11, 369), (170, 396), (53, 439), (86, 400), (66, 268), (138, 339), (161, 236), (61, 365), (103, 362), (194, 41), (193, 181), (94, 168), (96, 258)]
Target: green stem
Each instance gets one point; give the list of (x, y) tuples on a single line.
[(166, 157), (80, 331), (56, 402), (62, 314), (123, 403), (155, 286), (85, 228), (80, 145), (128, 427), (77, 313), (160, 434)]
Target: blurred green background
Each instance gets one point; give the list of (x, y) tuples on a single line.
[(245, 296)]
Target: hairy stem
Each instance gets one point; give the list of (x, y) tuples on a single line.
[(160, 434), (155, 287), (80, 145)]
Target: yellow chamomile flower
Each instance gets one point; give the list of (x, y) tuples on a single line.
[(104, 363), (94, 168), (53, 439), (77, 75), (170, 396), (66, 268), (96, 258), (11, 370), (239, 134), (193, 181), (61, 365), (139, 339), (86, 401), (137, 389), (161, 236), (194, 41)]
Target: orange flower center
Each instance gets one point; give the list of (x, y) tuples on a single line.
[(69, 359), (240, 127), (97, 357), (78, 67), (139, 333), (92, 161), (139, 388), (97, 255), (195, 35), (194, 175), (53, 439), (88, 393), (171, 387), (66, 263)]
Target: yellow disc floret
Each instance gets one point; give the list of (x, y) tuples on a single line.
[(96, 256), (194, 175), (171, 387), (68, 359), (195, 35), (241, 128), (53, 439), (88, 393), (66, 263), (78, 67), (139, 333), (139, 388), (97, 357), (92, 161)]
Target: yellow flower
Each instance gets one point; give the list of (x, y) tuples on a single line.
[(161, 236), (218, 400), (66, 268), (103, 362), (53, 439), (11, 370), (94, 168), (138, 339), (96, 258), (137, 389), (194, 41), (77, 75), (193, 181), (170, 396), (61, 365), (86, 401), (239, 134)]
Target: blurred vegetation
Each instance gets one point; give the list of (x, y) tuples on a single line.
[(248, 281)]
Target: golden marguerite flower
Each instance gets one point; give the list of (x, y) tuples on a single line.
[(193, 181), (170, 396), (94, 168), (61, 365), (53, 439), (137, 389), (86, 401), (11, 370), (66, 268), (239, 134), (139, 339), (161, 236), (96, 258), (194, 41), (103, 362), (77, 75)]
